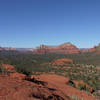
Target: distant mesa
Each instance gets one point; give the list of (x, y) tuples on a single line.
[(66, 48)]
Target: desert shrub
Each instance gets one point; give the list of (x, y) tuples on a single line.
[(83, 87), (23, 70), (1, 69), (71, 83)]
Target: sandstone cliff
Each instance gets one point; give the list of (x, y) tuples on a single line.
[(66, 48)]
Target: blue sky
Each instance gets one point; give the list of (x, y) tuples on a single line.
[(29, 23)]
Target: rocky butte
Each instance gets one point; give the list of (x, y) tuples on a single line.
[(95, 48), (66, 48)]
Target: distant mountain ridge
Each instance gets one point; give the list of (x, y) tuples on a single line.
[(16, 49), (66, 48)]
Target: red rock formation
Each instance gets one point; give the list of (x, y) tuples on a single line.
[(17, 76), (66, 48), (60, 83), (42, 49), (8, 68), (12, 72), (61, 61), (96, 49), (17, 86), (14, 89), (93, 49)]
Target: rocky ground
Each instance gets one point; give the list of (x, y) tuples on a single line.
[(16, 86)]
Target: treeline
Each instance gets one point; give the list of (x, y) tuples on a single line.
[(38, 62), (14, 57)]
